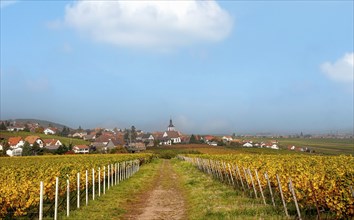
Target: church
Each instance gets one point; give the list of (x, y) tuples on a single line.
[(171, 136)]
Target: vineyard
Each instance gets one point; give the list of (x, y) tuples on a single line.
[(20, 180), (299, 183)]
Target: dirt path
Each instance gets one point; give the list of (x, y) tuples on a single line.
[(164, 201)]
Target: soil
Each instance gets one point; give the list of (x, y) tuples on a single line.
[(165, 199)]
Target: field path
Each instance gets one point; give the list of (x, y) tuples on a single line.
[(165, 200)]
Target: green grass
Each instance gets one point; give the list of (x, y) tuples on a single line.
[(65, 140), (113, 205), (209, 199)]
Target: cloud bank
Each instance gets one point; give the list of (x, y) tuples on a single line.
[(150, 24), (342, 70)]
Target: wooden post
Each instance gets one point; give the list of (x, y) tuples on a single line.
[(239, 174), (232, 178), (260, 187), (115, 174), (93, 184), (112, 173), (294, 196), (78, 190), (86, 185), (40, 200), (108, 176), (118, 173), (104, 179), (99, 181), (253, 185), (244, 172), (67, 197), (270, 188), (56, 198), (282, 197)]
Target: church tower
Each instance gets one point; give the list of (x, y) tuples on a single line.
[(170, 126)]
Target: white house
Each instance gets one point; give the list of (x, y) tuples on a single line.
[(52, 142), (50, 130), (34, 139), (16, 142), (81, 149), (275, 147), (226, 138), (174, 136), (247, 145), (14, 152)]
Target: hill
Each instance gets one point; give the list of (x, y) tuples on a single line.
[(42, 123)]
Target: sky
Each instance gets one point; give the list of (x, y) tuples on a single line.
[(214, 67)]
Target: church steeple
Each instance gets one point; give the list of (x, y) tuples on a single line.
[(170, 126)]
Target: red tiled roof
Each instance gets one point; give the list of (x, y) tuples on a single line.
[(14, 140), (82, 146), (31, 139)]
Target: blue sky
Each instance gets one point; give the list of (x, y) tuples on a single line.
[(215, 67)]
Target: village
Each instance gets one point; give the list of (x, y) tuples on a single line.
[(104, 140)]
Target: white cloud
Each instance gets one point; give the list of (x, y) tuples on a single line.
[(342, 70), (6, 3), (150, 24)]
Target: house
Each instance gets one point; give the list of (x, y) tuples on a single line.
[(52, 142), (81, 149), (50, 130), (213, 143), (79, 134), (14, 152), (16, 128), (34, 139), (226, 138), (90, 137), (247, 145), (208, 138), (16, 142), (274, 146), (174, 136), (136, 147)]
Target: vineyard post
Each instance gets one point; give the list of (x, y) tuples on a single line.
[(232, 178), (226, 173), (118, 173), (93, 184), (108, 176), (125, 170), (220, 171), (67, 197), (78, 190), (99, 181), (244, 172), (115, 174), (56, 198), (270, 188), (112, 174), (351, 189), (104, 179), (282, 197), (239, 174), (41, 200), (235, 173), (86, 186), (260, 187), (314, 194), (295, 200), (254, 188)]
